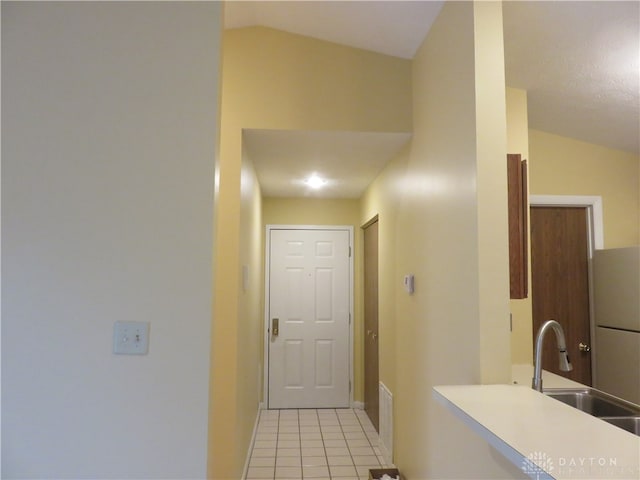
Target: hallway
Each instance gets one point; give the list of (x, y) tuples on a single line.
[(318, 444)]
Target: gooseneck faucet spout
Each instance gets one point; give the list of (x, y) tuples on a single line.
[(565, 364)]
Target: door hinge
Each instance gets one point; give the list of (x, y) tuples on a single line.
[(349, 318), (349, 386), (349, 252)]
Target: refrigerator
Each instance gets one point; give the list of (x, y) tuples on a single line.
[(616, 301)]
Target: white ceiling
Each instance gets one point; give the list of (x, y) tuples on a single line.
[(347, 160), (579, 62)]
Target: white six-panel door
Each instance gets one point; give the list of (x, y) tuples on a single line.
[(309, 294)]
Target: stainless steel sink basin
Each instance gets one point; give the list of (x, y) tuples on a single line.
[(614, 410), (594, 402), (630, 424)]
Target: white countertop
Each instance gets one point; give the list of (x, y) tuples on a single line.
[(524, 424), (522, 374)]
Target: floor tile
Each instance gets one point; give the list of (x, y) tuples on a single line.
[(337, 450), (332, 436), (288, 452), (366, 460), (335, 443), (262, 461), (355, 435), (323, 444), (314, 461), (358, 442), (267, 423), (313, 452), (352, 428), (260, 472), (330, 428), (288, 472), (344, 460), (362, 451), (311, 444), (315, 472), (263, 452), (267, 430), (309, 429), (342, 471), (288, 429), (264, 444), (325, 422), (288, 462)]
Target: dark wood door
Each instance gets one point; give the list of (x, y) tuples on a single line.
[(560, 284), (371, 396)]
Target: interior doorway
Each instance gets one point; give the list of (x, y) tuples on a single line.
[(371, 362), (560, 276)]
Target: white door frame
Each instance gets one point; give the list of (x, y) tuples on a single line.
[(595, 240), (267, 266)]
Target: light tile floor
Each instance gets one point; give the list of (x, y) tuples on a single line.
[(314, 444)]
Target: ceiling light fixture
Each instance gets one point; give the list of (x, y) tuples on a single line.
[(315, 182)]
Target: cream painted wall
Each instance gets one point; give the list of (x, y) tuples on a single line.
[(318, 211), (109, 126), (250, 307), (277, 80), (382, 198), (442, 207), (564, 166), (518, 142)]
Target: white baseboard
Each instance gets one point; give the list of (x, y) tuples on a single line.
[(245, 471), (357, 405)]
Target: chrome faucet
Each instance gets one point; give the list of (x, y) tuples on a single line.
[(565, 364)]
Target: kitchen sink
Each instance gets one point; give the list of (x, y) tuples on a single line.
[(613, 410), (630, 424), (594, 402)]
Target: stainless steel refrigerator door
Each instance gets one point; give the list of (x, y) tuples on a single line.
[(618, 363)]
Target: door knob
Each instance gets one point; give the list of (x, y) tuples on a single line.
[(583, 347), (375, 336), (275, 330)]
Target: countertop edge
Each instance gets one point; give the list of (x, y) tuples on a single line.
[(506, 450)]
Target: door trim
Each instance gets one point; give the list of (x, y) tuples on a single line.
[(594, 213), (595, 240), (267, 266)]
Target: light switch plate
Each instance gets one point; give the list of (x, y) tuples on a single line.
[(131, 338), (409, 283)]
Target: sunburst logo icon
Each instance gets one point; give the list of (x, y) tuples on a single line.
[(537, 465)]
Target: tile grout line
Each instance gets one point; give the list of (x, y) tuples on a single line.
[(326, 455), (275, 463), (300, 443), (348, 449)]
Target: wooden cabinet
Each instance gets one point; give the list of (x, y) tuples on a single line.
[(518, 232)]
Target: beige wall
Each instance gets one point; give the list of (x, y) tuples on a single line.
[(109, 127), (518, 142), (277, 80), (443, 217), (564, 166), (250, 307), (382, 198)]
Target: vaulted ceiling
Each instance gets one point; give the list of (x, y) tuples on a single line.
[(579, 61)]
